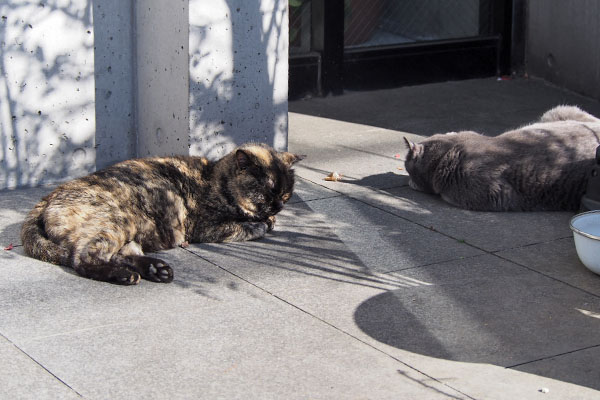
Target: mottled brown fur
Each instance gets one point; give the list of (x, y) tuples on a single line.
[(102, 224)]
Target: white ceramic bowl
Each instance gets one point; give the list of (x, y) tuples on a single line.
[(586, 232)]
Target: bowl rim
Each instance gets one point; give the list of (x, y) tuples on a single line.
[(574, 229)]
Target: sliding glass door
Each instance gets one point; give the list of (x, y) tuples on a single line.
[(368, 44)]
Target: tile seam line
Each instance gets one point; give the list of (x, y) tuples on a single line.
[(41, 366), (532, 244), (329, 324), (333, 196), (492, 253), (546, 275), (552, 356), (434, 263), (418, 224)]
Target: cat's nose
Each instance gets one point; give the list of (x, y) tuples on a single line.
[(278, 205)]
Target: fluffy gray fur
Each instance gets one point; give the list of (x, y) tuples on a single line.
[(539, 167)]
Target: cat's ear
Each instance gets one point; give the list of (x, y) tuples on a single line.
[(411, 146), (243, 159), (290, 159)]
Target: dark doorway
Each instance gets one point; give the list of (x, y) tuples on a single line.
[(373, 44)]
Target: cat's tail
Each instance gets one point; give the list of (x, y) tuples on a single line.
[(567, 113), (36, 242)]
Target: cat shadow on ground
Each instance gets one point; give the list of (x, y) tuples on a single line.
[(383, 180), (374, 181)]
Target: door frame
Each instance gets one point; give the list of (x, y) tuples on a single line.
[(329, 67)]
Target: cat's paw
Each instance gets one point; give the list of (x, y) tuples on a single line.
[(255, 230), (270, 223), (161, 272), (125, 277), (414, 186), (156, 270)]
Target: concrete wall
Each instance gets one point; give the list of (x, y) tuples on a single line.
[(86, 83), (238, 74), (562, 43), (47, 113)]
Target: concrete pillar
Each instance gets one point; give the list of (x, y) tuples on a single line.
[(114, 61), (161, 38)]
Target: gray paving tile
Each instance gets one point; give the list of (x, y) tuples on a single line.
[(483, 311), (23, 378), (223, 353), (557, 259), (580, 367), (185, 340), (305, 190), (339, 237), (22, 200), (14, 206), (301, 250), (385, 242), (480, 313), (365, 158), (40, 299), (208, 333), (490, 231), (353, 180), (464, 318), (486, 381)]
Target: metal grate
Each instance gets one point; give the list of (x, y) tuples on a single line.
[(385, 22)]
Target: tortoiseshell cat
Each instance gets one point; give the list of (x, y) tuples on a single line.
[(102, 224), (544, 166)]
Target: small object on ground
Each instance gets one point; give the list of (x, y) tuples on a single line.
[(397, 155), (9, 247), (544, 390), (400, 168), (334, 177), (184, 245)]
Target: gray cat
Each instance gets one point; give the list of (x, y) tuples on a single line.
[(539, 167)]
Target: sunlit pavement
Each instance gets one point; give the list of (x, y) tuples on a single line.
[(366, 289)]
